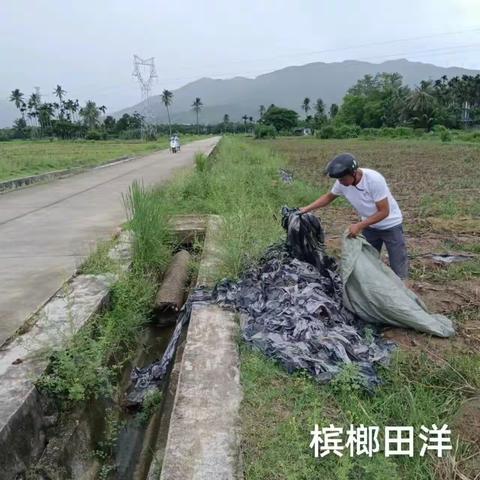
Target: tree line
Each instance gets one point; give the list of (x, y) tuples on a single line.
[(63, 117), (375, 101), (384, 101)]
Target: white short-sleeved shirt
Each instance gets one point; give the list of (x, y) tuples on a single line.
[(371, 188)]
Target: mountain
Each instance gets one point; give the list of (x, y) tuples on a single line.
[(286, 87)]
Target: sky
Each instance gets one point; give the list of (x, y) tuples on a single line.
[(87, 46)]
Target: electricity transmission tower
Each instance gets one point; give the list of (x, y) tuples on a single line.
[(145, 73)]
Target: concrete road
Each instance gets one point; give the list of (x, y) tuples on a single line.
[(46, 231)]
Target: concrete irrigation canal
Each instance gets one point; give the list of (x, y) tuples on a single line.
[(187, 437)]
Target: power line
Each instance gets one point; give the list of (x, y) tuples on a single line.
[(340, 49), (441, 50), (257, 72)]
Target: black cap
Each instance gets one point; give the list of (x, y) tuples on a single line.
[(342, 165)]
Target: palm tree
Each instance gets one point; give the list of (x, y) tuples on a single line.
[(45, 113), (69, 107), (261, 111), (167, 97), (17, 97), (306, 105), (421, 99), (102, 109), (226, 120), (90, 114), (422, 103), (333, 110), (60, 92), (75, 109), (245, 118), (319, 107), (197, 106), (33, 104)]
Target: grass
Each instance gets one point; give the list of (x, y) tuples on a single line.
[(99, 262), (434, 186), (22, 158), (89, 365), (242, 184), (246, 192), (278, 410)]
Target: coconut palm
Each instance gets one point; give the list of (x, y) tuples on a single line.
[(17, 97), (245, 118), (69, 107), (333, 110), (422, 103), (45, 113), (59, 92), (33, 104), (306, 105), (261, 111), (197, 106), (167, 97), (226, 121)]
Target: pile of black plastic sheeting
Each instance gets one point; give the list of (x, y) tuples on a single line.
[(292, 302)]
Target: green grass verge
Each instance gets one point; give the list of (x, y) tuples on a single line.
[(280, 410), (21, 158)]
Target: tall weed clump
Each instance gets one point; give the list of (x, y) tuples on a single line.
[(148, 220), (241, 183)]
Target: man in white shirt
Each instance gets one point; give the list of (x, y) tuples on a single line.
[(368, 192)]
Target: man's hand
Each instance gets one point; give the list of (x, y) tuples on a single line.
[(355, 229)]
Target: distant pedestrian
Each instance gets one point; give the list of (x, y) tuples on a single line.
[(368, 192)]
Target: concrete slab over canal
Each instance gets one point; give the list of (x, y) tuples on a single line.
[(204, 434)]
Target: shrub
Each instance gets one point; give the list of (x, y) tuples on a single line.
[(443, 132), (469, 136), (404, 132), (201, 162), (370, 132), (265, 131), (348, 131), (95, 135), (130, 134), (328, 131), (387, 132), (6, 134)]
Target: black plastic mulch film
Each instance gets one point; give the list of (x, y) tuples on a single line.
[(292, 308)]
